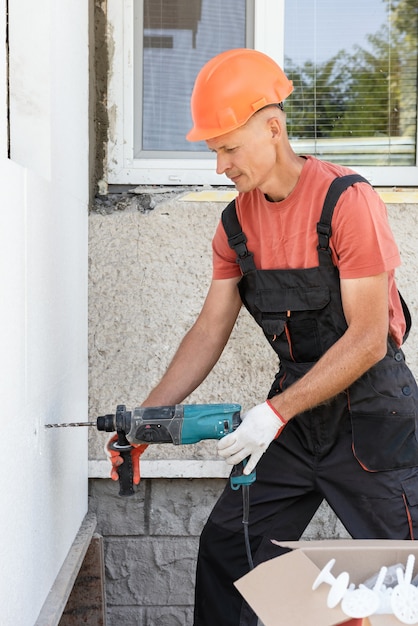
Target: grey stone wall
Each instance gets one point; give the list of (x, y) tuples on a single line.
[(149, 272), (151, 542)]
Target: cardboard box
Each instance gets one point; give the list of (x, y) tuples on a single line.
[(280, 590)]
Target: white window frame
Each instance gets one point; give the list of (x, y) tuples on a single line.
[(124, 169)]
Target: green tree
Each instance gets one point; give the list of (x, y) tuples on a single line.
[(320, 96), (367, 92), (373, 102)]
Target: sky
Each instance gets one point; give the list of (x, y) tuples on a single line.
[(317, 29)]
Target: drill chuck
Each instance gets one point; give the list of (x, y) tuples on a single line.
[(106, 423)]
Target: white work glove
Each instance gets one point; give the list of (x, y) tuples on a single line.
[(260, 425)]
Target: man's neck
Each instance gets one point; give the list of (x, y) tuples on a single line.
[(287, 182)]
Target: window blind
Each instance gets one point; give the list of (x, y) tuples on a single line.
[(178, 37), (354, 69)]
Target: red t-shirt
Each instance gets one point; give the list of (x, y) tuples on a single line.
[(283, 234)]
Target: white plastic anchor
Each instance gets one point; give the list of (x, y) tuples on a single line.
[(363, 601), (339, 585), (391, 578), (404, 598), (385, 607)]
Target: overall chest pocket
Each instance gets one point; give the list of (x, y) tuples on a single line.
[(292, 321)]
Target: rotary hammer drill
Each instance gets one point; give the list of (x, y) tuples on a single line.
[(178, 424)]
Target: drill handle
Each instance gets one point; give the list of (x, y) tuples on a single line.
[(125, 470), (238, 478)]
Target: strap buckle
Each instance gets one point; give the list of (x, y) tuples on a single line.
[(324, 232), (238, 243)]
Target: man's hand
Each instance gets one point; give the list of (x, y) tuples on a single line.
[(251, 439), (116, 459)]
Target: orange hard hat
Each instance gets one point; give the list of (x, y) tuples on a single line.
[(231, 87)]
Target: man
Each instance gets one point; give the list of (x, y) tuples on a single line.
[(339, 422)]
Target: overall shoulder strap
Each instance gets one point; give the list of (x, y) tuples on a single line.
[(236, 238), (324, 230), (323, 227)]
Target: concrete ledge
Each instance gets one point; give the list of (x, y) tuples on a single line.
[(56, 600), (405, 196), (87, 601), (168, 469), (389, 196)]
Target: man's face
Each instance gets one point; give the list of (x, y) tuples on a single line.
[(247, 156)]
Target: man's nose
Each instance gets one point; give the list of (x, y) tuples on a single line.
[(222, 163)]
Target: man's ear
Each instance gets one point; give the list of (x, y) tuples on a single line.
[(275, 127)]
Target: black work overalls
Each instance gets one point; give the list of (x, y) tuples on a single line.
[(359, 451)]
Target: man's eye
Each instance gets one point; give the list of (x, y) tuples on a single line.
[(230, 149)]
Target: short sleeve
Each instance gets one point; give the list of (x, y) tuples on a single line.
[(362, 240)]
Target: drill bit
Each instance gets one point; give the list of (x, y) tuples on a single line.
[(70, 424)]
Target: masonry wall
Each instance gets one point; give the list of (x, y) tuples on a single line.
[(151, 542), (149, 272)]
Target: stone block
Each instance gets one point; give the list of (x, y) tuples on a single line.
[(181, 506), (325, 525), (153, 616), (117, 515), (169, 616), (126, 615), (151, 571)]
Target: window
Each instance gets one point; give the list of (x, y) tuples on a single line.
[(355, 99), (160, 45), (354, 69), (174, 39)]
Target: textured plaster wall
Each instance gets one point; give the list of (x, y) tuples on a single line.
[(149, 271)]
